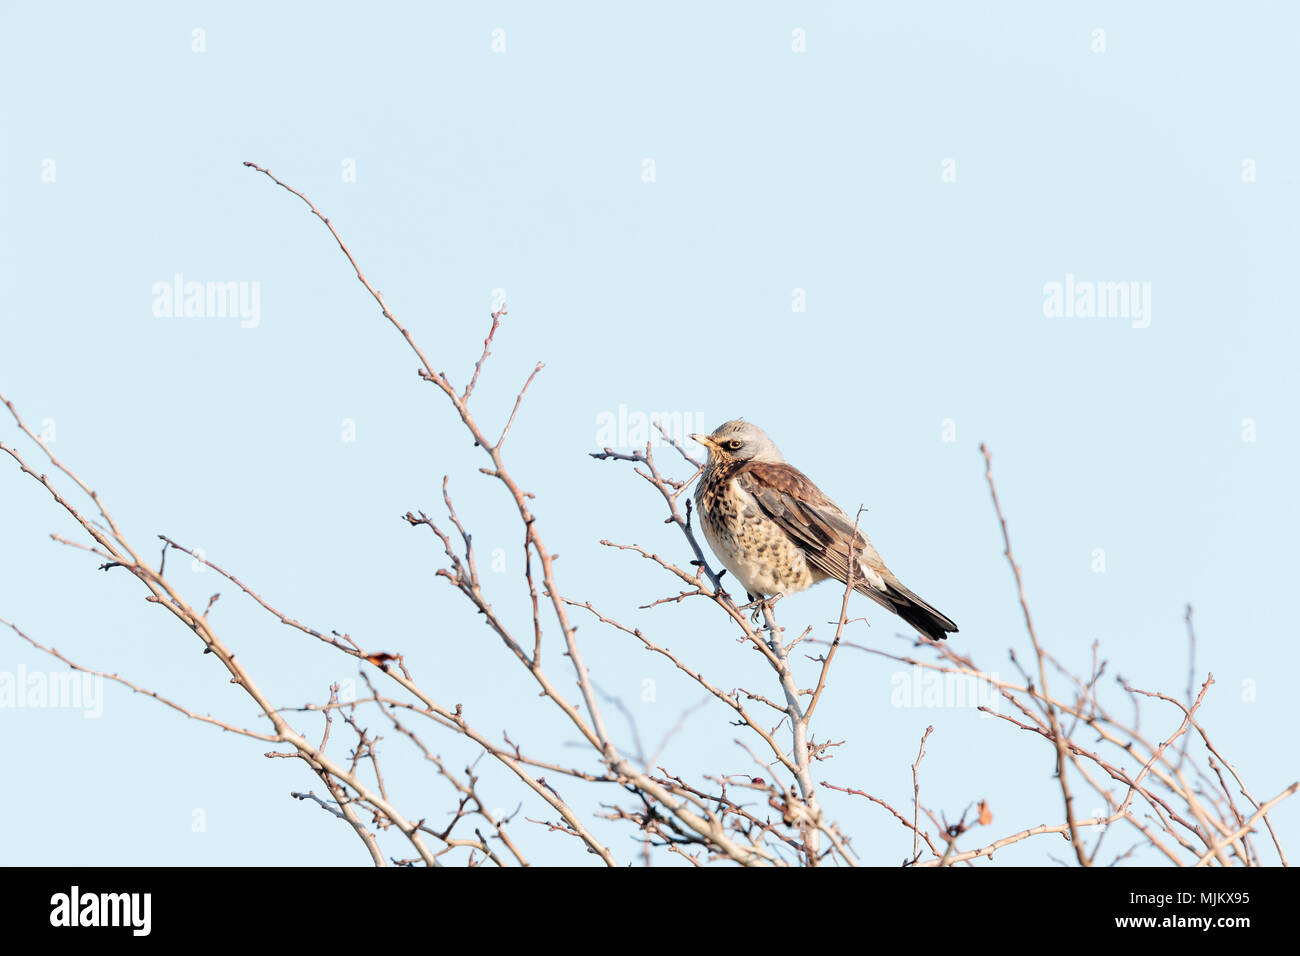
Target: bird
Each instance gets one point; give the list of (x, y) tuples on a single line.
[(778, 534)]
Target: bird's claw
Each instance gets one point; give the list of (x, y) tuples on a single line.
[(756, 607)]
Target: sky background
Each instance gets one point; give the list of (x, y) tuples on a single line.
[(848, 245)]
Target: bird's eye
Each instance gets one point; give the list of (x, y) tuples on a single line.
[(735, 444)]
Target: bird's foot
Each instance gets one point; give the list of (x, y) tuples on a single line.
[(758, 605), (754, 607)]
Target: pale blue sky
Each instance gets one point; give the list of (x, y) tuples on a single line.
[(523, 171)]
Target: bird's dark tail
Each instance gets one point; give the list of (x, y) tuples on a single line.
[(920, 615)]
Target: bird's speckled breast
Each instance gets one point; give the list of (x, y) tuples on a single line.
[(759, 555)]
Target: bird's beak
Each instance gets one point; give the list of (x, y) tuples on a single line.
[(705, 440)]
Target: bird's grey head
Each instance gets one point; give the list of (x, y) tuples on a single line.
[(740, 440)]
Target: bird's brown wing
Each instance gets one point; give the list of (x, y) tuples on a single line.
[(817, 525)]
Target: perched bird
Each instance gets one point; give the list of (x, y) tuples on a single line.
[(777, 533)]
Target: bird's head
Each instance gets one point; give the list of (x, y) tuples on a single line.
[(740, 441)]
